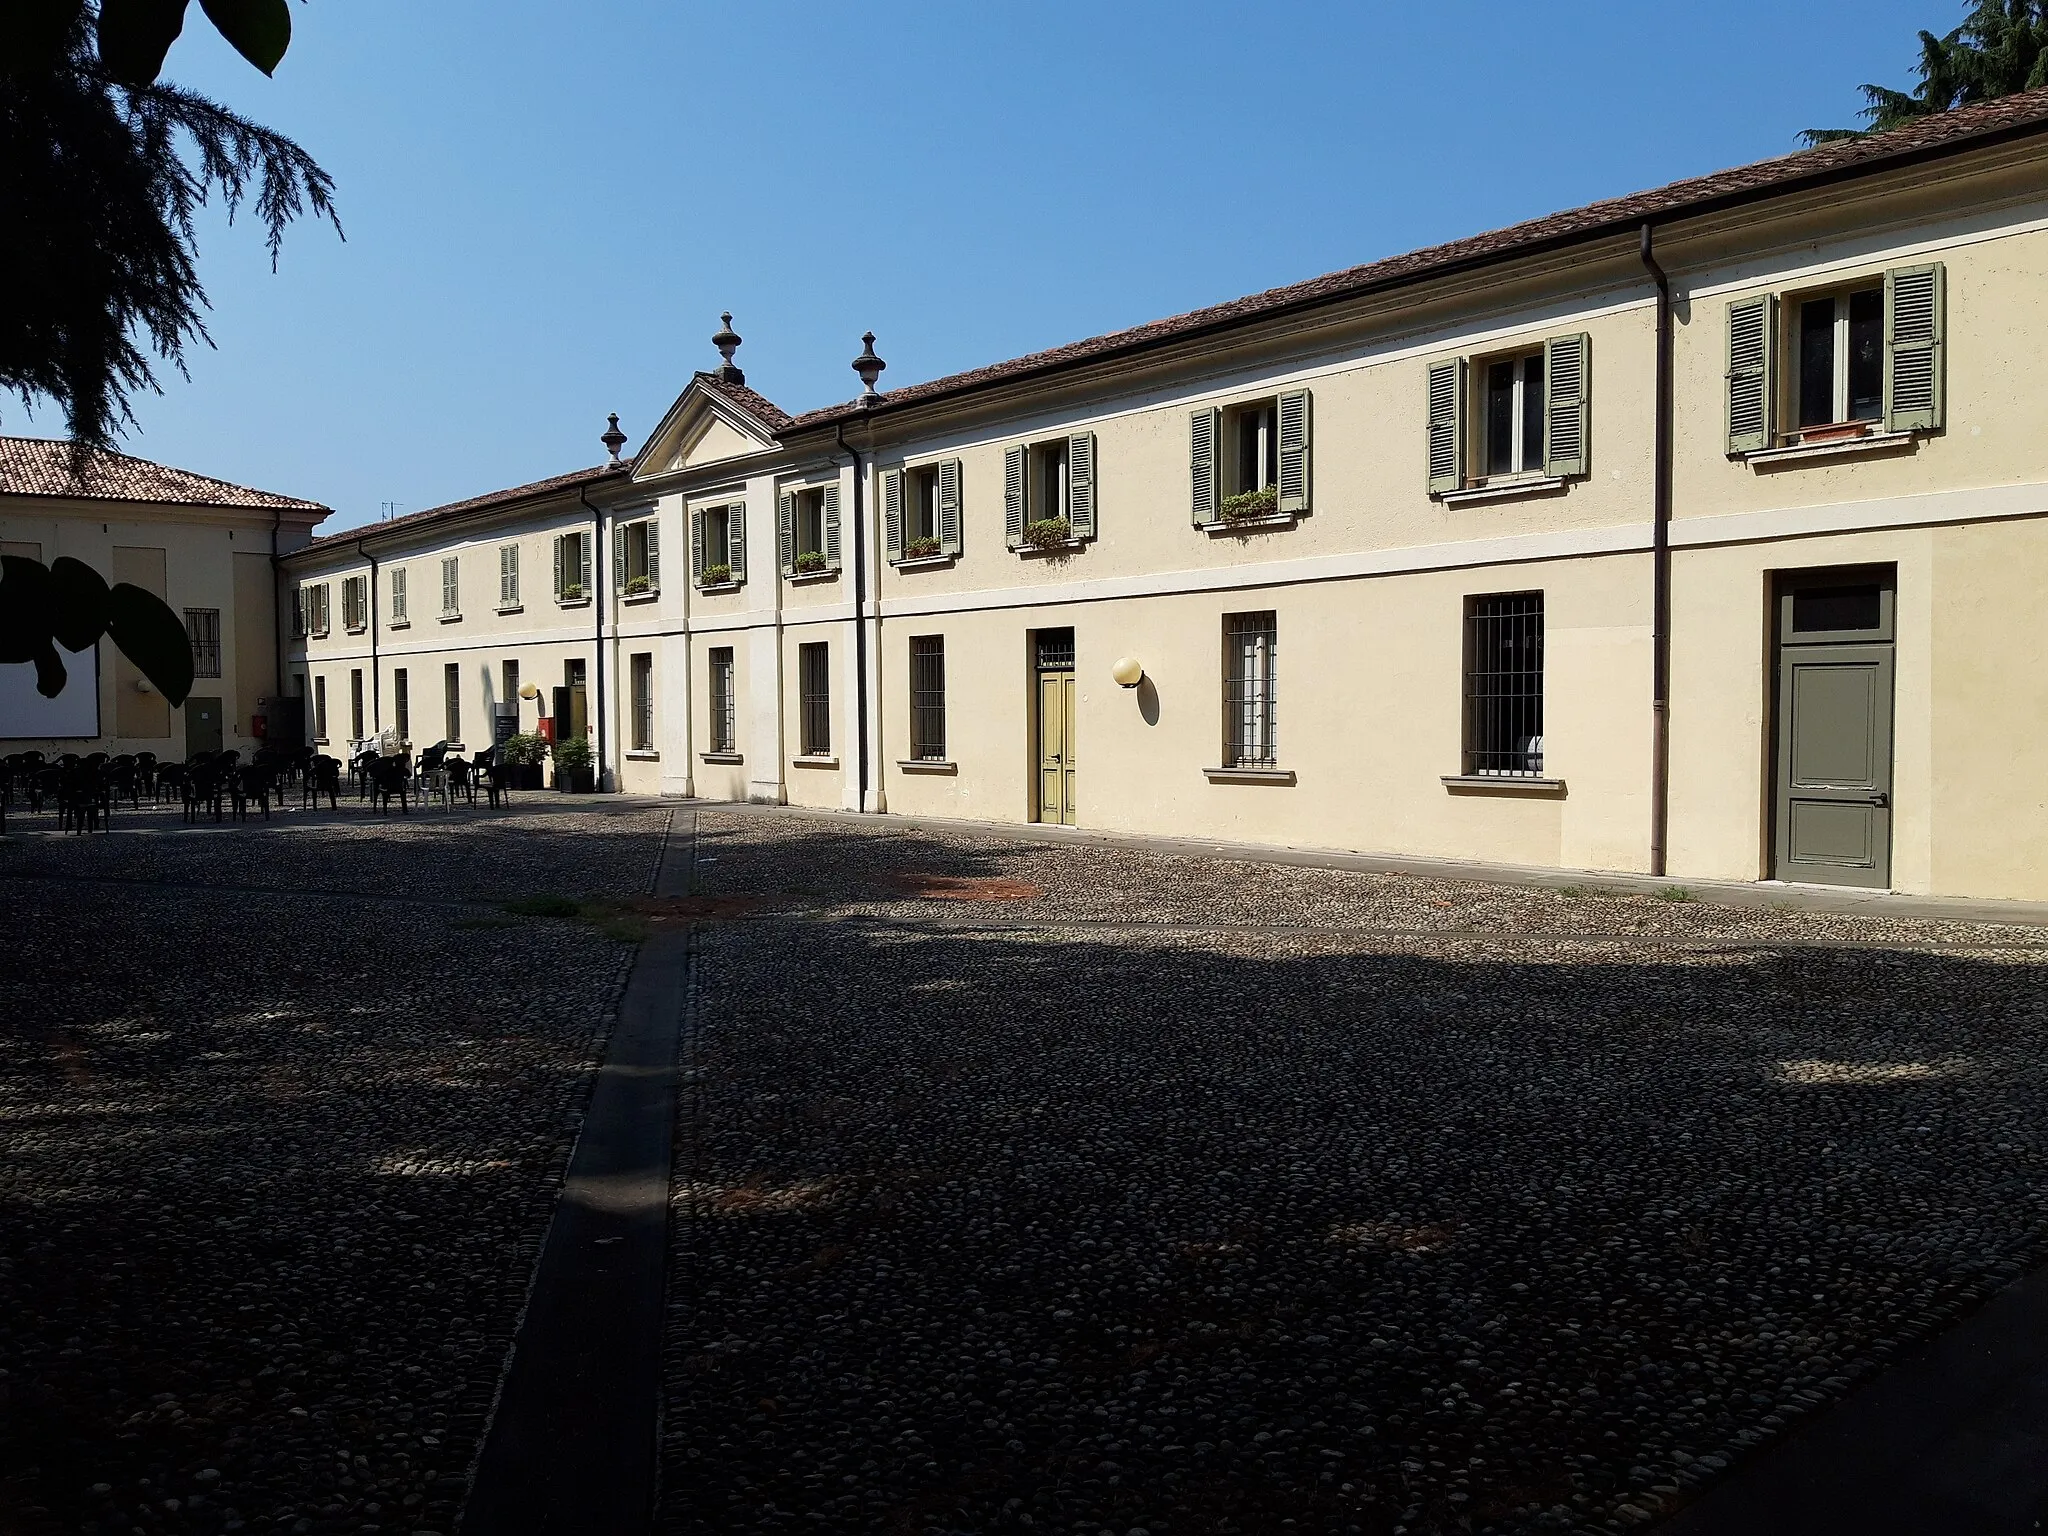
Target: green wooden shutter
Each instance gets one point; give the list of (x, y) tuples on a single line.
[(832, 525), (558, 565), (697, 545), (1081, 484), (618, 558), (1205, 428), (586, 551), (1752, 348), (736, 539), (1567, 394), (1294, 452), (1014, 460), (785, 532), (1913, 333), (949, 506), (892, 513), (653, 527), (1446, 425)]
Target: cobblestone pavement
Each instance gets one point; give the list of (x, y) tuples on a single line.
[(282, 1113), (1174, 1195)]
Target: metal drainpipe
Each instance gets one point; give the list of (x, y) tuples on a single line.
[(860, 626), (1660, 573), (276, 612), (376, 677), (597, 602)]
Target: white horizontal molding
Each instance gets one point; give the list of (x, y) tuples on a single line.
[(1929, 508)]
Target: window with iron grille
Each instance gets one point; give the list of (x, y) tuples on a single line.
[(928, 698), (814, 698), (451, 587), (355, 603), (1504, 685), (722, 701), (451, 688), (401, 704), (1250, 690), (355, 704), (643, 701), (202, 627), (319, 709), (398, 596), (510, 671)]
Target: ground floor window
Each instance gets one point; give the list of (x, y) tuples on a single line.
[(814, 698), (1504, 685), (723, 734), (355, 704), (451, 688), (401, 704), (642, 664), (1250, 690), (511, 672), (202, 628), (928, 698), (319, 709)]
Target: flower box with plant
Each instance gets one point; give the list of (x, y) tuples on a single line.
[(921, 549), (637, 586), (715, 576), (1049, 533), (573, 759), (523, 756), (1247, 505), (810, 562), (572, 592)]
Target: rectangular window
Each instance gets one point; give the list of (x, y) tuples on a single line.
[(202, 628), (1049, 482), (810, 522), (451, 588), (398, 597), (1251, 438), (314, 607), (1250, 690), (1841, 358), (928, 698), (355, 603), (814, 699), (355, 704), (319, 708), (572, 566), (508, 575), (401, 704), (921, 517), (639, 568), (451, 688), (298, 613), (723, 703), (642, 663), (1504, 685), (715, 548), (510, 670), (1513, 412)]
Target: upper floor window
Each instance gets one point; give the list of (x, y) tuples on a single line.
[(313, 610), (572, 566), (508, 575), (202, 628), (636, 558), (718, 544), (921, 511), (1830, 367), (355, 603), (1250, 461), (398, 615), (1049, 493), (451, 588), (1528, 413), (807, 530)]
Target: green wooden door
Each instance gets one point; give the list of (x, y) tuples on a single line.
[(202, 724), (1056, 747), (1834, 732)]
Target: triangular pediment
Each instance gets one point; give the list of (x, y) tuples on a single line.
[(703, 427)]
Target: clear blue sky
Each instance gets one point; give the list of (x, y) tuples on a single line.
[(547, 205)]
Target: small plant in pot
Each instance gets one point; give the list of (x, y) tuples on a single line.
[(810, 562), (716, 575), (637, 586), (573, 765), (1246, 505), (920, 549), (572, 592), (523, 756), (1049, 533)]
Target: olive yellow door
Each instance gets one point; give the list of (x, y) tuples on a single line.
[(1056, 747)]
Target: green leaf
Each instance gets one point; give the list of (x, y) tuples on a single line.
[(27, 603), (260, 30), (79, 615), (136, 34), (153, 637)]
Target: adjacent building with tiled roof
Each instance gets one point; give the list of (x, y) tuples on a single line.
[(37, 466)]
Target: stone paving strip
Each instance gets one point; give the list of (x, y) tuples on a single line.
[(274, 1166), (1039, 1188)]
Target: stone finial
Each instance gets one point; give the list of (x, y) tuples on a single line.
[(727, 340), (613, 439), (869, 367)]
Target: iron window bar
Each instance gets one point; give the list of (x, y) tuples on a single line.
[(928, 698), (1504, 685), (1251, 712), (814, 699), (722, 701)]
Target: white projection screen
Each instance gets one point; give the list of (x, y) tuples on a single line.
[(26, 714)]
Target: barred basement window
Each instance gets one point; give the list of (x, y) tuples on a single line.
[(723, 736), (1504, 685), (1250, 690), (643, 701), (928, 698), (202, 627), (814, 699)]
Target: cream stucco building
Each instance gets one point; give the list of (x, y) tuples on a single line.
[(1693, 533)]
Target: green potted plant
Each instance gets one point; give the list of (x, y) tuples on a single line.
[(637, 586), (1049, 533), (715, 576), (522, 755), (810, 562), (572, 592), (919, 549), (1247, 505), (573, 765)]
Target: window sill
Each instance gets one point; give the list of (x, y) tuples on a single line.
[(717, 587), (1224, 526), (572, 602), (806, 578), (1501, 784), (1249, 775), (721, 757), (1835, 448), (629, 598), (924, 561), (357, 629), (1050, 551), (814, 762), (511, 608), (318, 634), (451, 618), (1504, 490), (927, 765), (401, 623), (643, 755)]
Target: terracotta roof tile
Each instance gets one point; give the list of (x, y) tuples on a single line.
[(533, 491), (2027, 110), (40, 466), (764, 410)]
